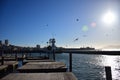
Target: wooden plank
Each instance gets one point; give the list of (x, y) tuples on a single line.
[(51, 63), (34, 58), (40, 76), (46, 60), (43, 67)]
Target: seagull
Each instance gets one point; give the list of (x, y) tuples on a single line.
[(77, 19), (76, 39)]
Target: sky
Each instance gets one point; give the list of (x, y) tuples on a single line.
[(73, 23)]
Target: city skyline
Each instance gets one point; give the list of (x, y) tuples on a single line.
[(73, 23)]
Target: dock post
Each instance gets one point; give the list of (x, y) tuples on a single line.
[(70, 62), (26, 55), (16, 56), (22, 58), (53, 55), (2, 62), (108, 73)]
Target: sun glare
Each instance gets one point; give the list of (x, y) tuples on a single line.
[(109, 17)]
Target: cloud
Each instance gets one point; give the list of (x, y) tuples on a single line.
[(112, 47)]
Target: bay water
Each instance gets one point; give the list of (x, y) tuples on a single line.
[(91, 67)]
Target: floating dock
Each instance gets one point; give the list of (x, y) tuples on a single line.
[(40, 76), (38, 67), (8, 67), (12, 65), (3, 69)]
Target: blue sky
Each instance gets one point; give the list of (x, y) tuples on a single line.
[(31, 22)]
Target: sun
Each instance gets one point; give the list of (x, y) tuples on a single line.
[(109, 17)]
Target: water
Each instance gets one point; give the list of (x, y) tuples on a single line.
[(91, 67)]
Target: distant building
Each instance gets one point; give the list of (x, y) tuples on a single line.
[(38, 46), (0, 42), (6, 42)]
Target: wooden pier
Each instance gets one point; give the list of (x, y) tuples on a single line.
[(99, 52), (37, 69), (41, 70)]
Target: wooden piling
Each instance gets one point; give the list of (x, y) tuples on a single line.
[(2, 62), (22, 58), (16, 56), (70, 62), (108, 73), (53, 55)]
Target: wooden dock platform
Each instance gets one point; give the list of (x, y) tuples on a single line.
[(40, 76), (12, 65), (3, 69), (7, 67), (37, 67)]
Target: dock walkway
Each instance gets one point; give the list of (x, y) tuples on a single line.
[(40, 76)]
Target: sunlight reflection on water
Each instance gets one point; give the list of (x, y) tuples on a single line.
[(91, 67), (114, 62)]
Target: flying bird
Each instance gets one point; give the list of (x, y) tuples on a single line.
[(77, 19), (76, 39)]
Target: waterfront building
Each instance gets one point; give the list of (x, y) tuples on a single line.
[(6, 42), (0, 42)]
